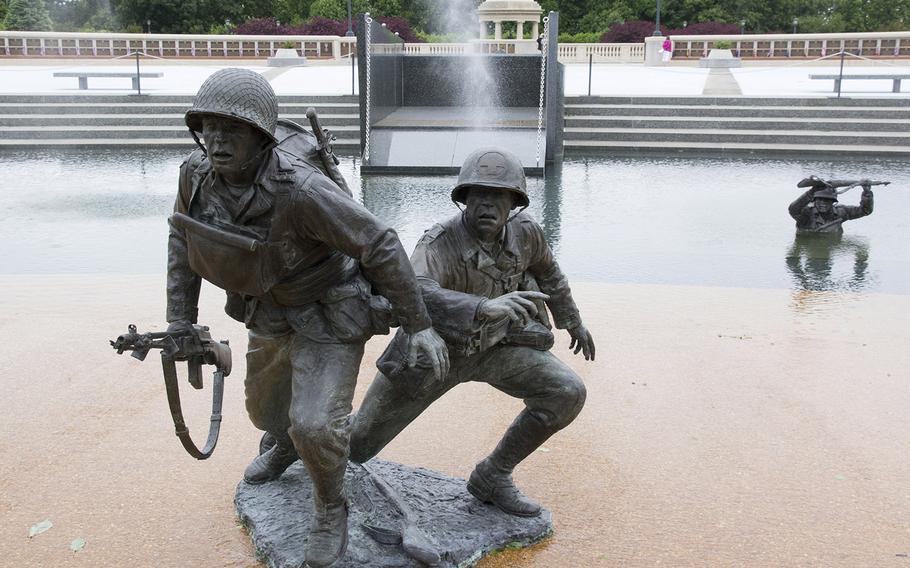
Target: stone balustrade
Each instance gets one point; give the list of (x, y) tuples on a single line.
[(107, 45), (747, 46), (811, 46)]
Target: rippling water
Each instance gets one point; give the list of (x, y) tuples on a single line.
[(642, 220)]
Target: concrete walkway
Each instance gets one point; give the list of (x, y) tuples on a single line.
[(678, 79)]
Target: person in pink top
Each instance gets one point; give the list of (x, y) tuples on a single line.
[(666, 50)]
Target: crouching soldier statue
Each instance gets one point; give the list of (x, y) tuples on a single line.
[(310, 272), (485, 275)]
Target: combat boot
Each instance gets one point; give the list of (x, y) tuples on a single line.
[(490, 485), (328, 538), (491, 481), (270, 464)]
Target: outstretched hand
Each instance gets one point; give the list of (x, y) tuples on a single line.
[(517, 306), (582, 341), (433, 347)]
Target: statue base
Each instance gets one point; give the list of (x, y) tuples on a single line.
[(449, 521)]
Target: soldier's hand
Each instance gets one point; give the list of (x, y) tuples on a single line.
[(582, 341), (433, 347), (178, 326), (517, 306)]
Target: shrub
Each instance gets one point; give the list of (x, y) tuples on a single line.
[(260, 26), (722, 44), (707, 28), (318, 25), (629, 32), (581, 37), (438, 38), (400, 25)]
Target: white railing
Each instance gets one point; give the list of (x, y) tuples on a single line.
[(602, 52), (872, 44), (62, 44)]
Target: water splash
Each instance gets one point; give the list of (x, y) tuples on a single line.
[(481, 91)]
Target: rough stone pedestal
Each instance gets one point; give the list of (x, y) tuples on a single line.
[(462, 529)]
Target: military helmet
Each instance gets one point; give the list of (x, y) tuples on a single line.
[(829, 194), (240, 94), (494, 168)]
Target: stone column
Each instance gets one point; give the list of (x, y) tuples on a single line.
[(519, 30), (483, 29), (498, 32), (534, 31)]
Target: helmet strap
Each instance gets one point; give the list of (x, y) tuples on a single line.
[(517, 213), (199, 142)]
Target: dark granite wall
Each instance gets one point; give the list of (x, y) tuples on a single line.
[(449, 80)]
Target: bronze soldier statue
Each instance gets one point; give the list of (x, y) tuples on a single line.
[(485, 275), (310, 272), (818, 211)]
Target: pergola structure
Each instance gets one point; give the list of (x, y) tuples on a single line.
[(518, 11)]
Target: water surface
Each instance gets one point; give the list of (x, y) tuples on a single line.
[(632, 220)]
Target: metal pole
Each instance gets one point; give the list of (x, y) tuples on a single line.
[(351, 55), (657, 24), (590, 66), (138, 84), (840, 78), (350, 30)]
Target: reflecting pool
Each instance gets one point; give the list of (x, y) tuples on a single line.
[(706, 222)]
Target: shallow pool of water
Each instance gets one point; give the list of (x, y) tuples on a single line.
[(641, 220)]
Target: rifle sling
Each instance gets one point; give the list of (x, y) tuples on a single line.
[(173, 400)]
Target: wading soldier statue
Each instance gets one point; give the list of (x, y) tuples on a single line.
[(485, 275), (817, 210), (303, 265)]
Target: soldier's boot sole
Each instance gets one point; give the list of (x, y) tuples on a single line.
[(501, 492)]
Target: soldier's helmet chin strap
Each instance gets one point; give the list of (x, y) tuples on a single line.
[(267, 148), (509, 220)]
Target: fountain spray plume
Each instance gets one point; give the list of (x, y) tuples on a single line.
[(480, 93)]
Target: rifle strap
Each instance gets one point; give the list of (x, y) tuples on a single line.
[(173, 400)]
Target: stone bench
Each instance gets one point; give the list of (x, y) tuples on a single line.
[(84, 75), (896, 87)]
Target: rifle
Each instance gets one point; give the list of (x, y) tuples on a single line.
[(197, 348), (329, 160), (838, 185)]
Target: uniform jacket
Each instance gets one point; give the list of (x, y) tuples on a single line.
[(456, 274), (809, 220), (321, 227)]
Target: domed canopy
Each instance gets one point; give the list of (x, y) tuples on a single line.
[(518, 11)]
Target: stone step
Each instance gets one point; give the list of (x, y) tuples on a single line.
[(738, 111), (737, 123), (725, 136), (177, 108), (748, 101), (330, 121), (788, 150), (346, 145), (118, 132)]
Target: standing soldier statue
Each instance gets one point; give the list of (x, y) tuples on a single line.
[(310, 272), (485, 275), (817, 210)]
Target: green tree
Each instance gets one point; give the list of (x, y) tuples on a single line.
[(292, 11), (2, 11), (27, 15), (331, 9)]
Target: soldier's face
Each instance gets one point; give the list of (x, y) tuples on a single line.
[(231, 144), (487, 210), (823, 206)]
